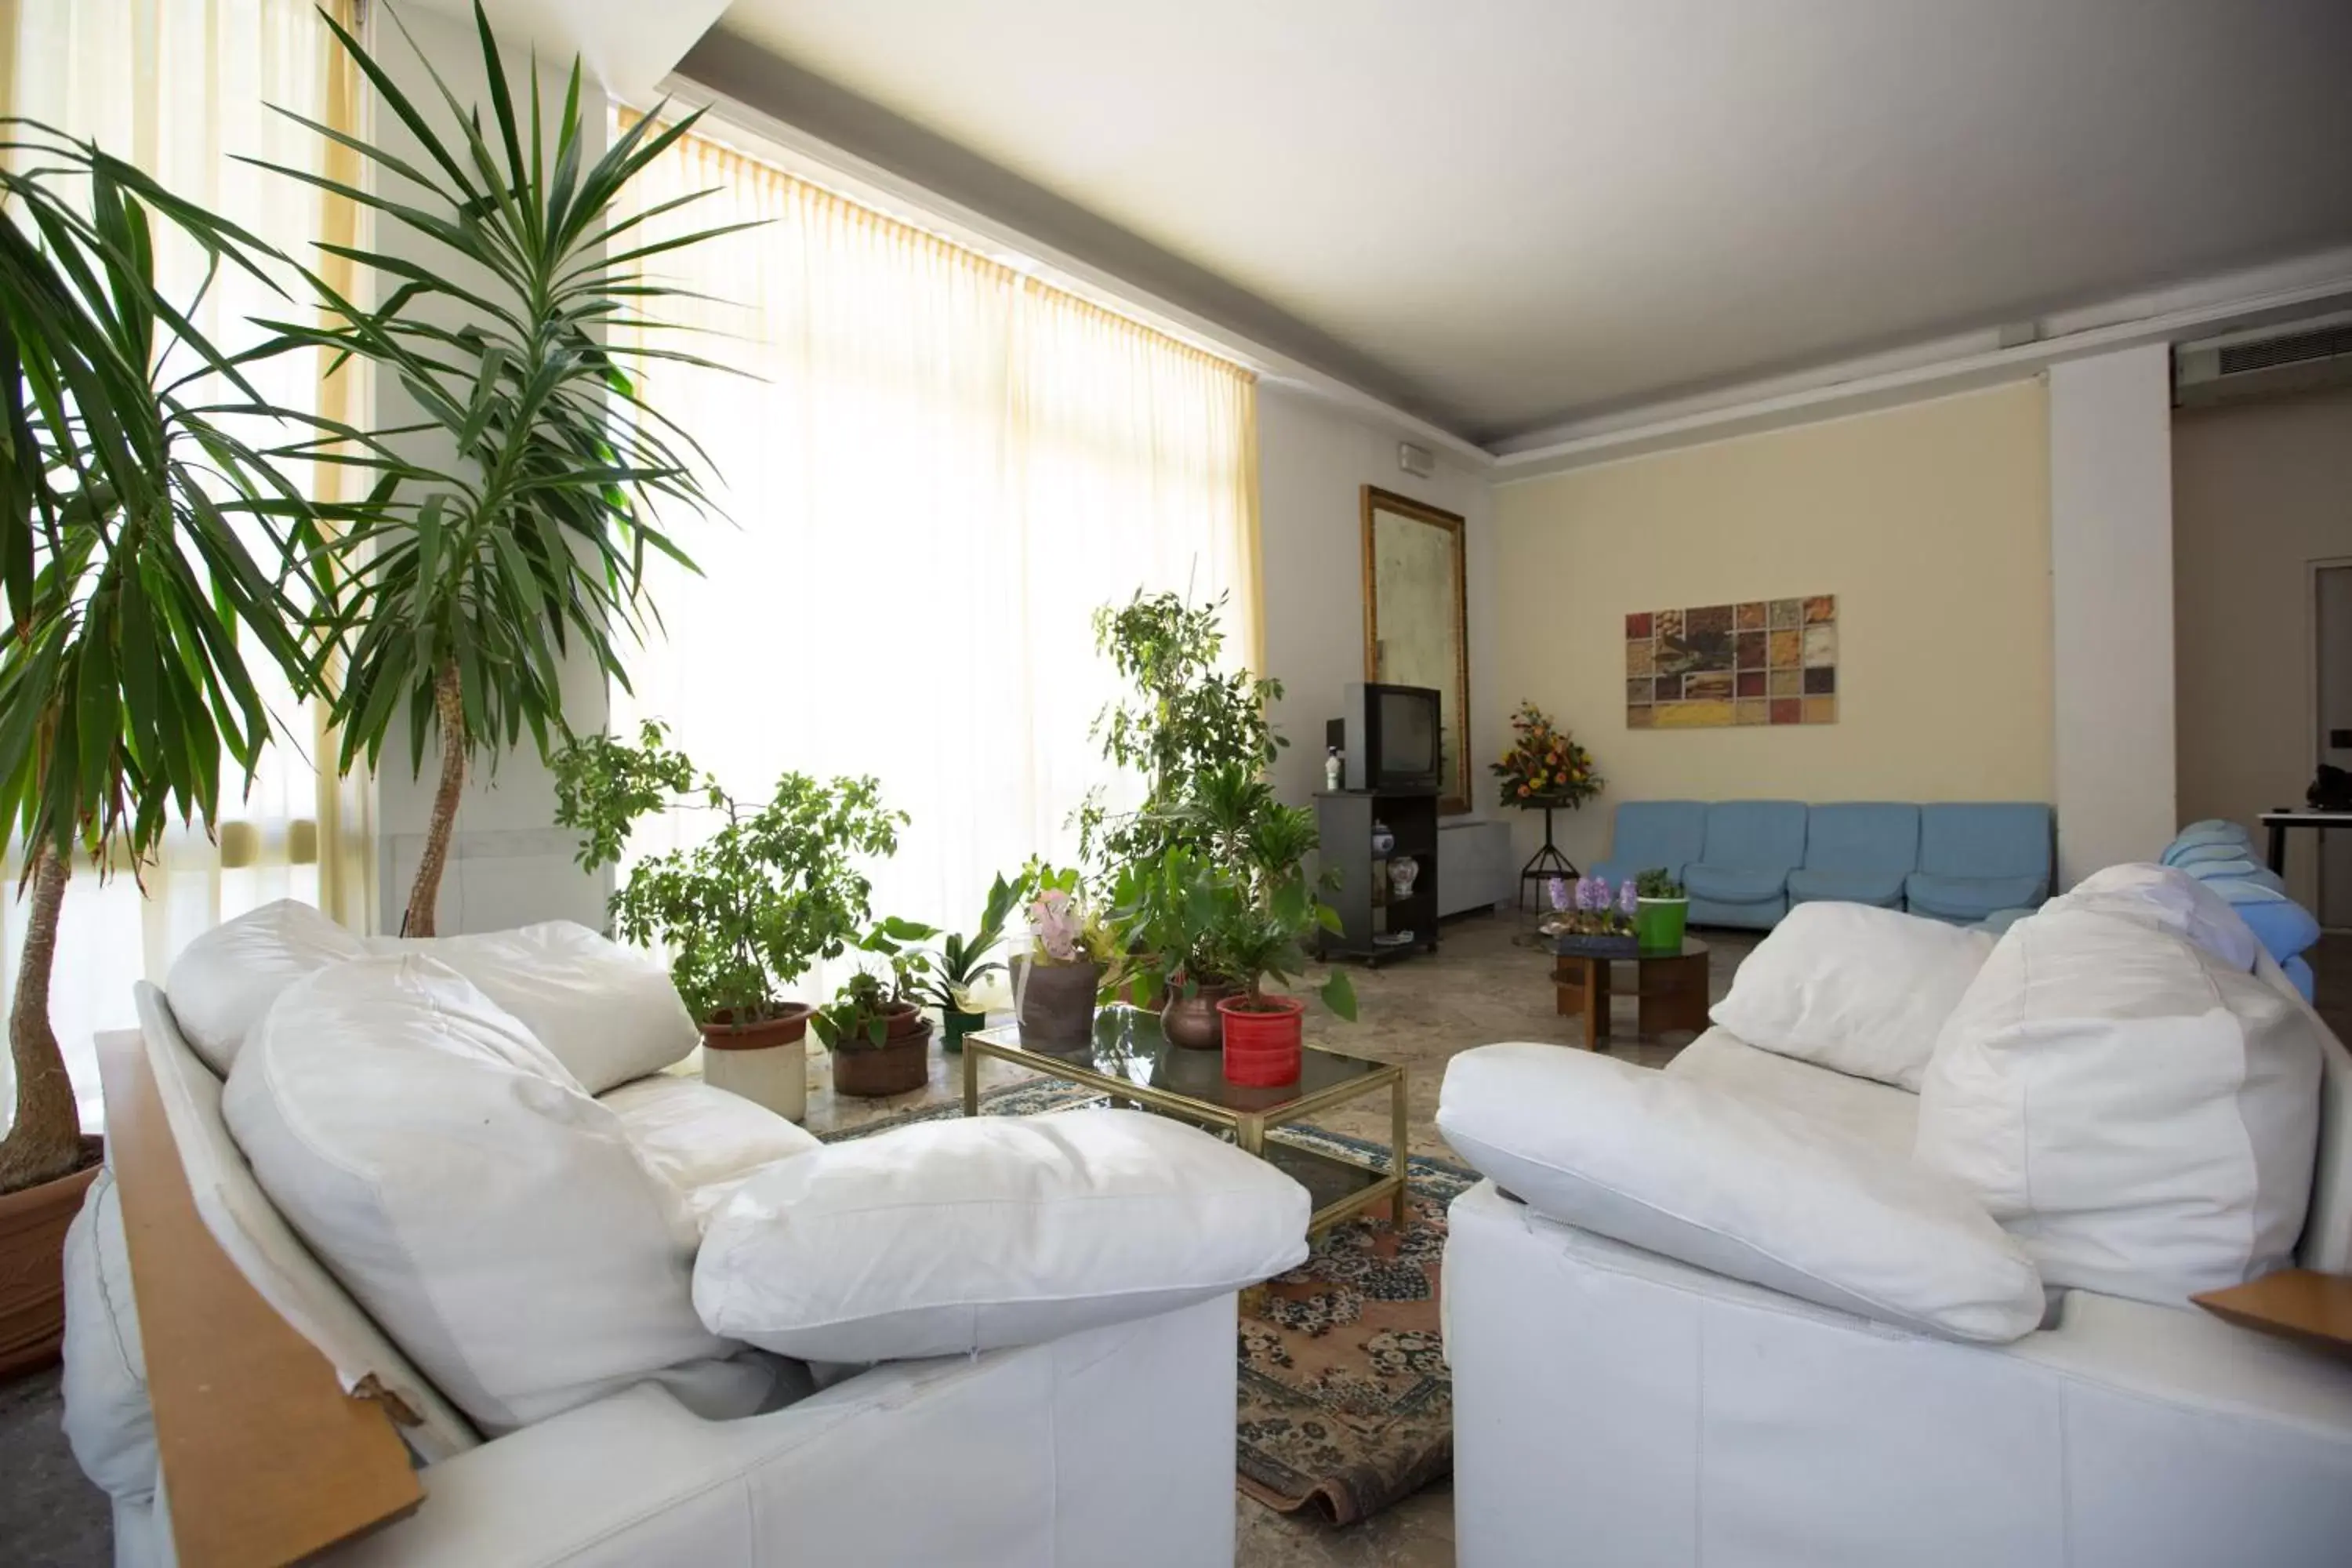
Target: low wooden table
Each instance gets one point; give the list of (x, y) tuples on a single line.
[(2299, 1304), (1670, 981)]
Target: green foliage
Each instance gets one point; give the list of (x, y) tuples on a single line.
[(858, 1017), (1655, 883), (746, 912), (962, 962), (478, 569), (1187, 719)]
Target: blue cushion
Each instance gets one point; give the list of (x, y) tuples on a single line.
[(1655, 832), (1755, 834), (1862, 836), (2211, 871), (2283, 926), (1734, 884), (1966, 900), (2298, 971), (1810, 884), (2003, 838), (2184, 854), (1615, 872), (2212, 830)]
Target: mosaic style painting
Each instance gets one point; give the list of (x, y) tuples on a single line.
[(1770, 661)]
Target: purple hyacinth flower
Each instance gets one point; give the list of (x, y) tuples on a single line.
[(1628, 898), (1556, 891)]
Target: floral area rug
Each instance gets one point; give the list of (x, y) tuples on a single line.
[(1346, 1404)]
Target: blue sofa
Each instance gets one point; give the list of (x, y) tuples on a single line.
[(1745, 862)]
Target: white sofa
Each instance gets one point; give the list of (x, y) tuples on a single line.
[(1114, 1444), (1617, 1407)]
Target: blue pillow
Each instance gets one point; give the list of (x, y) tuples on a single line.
[(2199, 854), (2283, 926), (2211, 832), (2208, 870)]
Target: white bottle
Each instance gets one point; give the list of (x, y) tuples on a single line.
[(1331, 770)]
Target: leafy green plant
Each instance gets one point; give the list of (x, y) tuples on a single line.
[(747, 911), (146, 550), (962, 962), (858, 1018), (1655, 883), (514, 518), (1186, 718), (1169, 913)]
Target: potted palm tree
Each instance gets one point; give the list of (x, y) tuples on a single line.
[(523, 525), (143, 549), (744, 912)]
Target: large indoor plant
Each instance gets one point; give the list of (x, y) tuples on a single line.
[(144, 547), (511, 515), (744, 912), (874, 1026)]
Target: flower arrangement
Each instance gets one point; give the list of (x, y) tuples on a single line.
[(1546, 765), (1590, 908)]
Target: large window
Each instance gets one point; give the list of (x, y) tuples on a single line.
[(934, 469)]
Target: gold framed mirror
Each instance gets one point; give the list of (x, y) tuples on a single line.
[(1416, 614)]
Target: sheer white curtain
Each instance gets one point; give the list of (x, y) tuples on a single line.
[(934, 472), (179, 88)]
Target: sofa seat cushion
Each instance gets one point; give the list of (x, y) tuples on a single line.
[(953, 1237), (2283, 926), (1969, 898), (2142, 1115), (1734, 884), (1677, 1166), (225, 979), (1879, 1114), (1861, 990), (495, 1220), (1813, 884), (702, 1140)]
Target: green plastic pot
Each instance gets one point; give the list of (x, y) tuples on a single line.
[(1658, 924), (956, 1024)]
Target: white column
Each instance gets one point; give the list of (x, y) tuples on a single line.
[(2110, 594)]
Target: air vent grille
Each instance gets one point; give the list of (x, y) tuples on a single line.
[(2297, 348)]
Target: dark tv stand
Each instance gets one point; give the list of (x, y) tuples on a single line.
[(1366, 907)]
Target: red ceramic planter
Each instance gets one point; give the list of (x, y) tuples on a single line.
[(1263, 1042)]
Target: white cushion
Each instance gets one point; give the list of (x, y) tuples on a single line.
[(606, 1012), (702, 1140), (2171, 899), (223, 982), (1881, 1115), (1848, 986), (2140, 1114), (108, 1421), (967, 1234), (1757, 1193), (494, 1219)]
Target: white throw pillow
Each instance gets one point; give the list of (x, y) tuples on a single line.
[(2171, 899), (606, 1012), (702, 1140), (2137, 1112), (223, 982), (494, 1219), (967, 1234), (1861, 989), (1757, 1193)]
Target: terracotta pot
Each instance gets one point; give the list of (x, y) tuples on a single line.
[(32, 1265), (901, 1063), (1057, 1002), (766, 1062), (1193, 1022), (1263, 1039)]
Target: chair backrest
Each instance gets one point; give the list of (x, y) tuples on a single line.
[(1862, 836), (1668, 833), (266, 1250), (1755, 835), (1984, 839)]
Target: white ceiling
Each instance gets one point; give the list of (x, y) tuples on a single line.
[(1522, 211)]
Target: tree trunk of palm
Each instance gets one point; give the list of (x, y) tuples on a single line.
[(45, 1142), (426, 892)]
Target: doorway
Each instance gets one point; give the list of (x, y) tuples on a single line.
[(2332, 646)]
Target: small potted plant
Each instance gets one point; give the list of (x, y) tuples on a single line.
[(1663, 911), (744, 912), (960, 964), (1265, 941), (1169, 912), (1592, 918), (1072, 953), (875, 1025)]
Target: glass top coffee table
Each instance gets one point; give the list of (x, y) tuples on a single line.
[(1130, 1060)]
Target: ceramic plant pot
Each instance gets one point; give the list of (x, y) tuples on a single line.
[(1193, 1022), (900, 1063), (1263, 1039), (32, 1266), (1057, 1002), (766, 1062), (1659, 923)]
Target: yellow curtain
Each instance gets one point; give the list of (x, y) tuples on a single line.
[(181, 88), (934, 471)]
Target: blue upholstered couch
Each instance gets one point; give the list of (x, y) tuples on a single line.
[(1744, 862)]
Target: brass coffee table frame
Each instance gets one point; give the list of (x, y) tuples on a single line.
[(1249, 1128)]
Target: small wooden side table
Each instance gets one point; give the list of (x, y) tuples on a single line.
[(2299, 1304), (1671, 984)]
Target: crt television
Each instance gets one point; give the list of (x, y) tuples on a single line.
[(1391, 738)]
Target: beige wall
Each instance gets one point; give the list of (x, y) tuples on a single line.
[(2260, 491), (1930, 522)]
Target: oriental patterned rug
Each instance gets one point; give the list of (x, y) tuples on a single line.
[(1346, 1404)]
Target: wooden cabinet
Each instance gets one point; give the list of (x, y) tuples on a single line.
[(1369, 909)]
